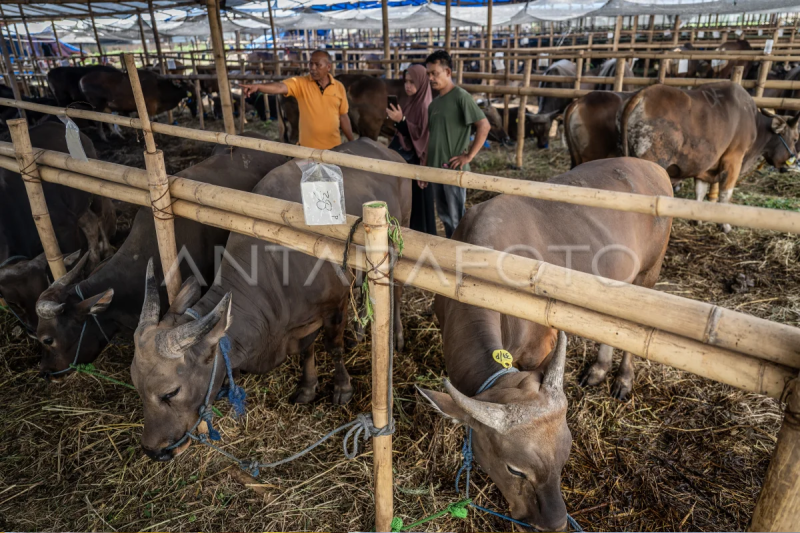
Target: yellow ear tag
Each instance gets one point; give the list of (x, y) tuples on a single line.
[(503, 357)]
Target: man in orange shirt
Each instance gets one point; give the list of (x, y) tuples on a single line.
[(322, 101)]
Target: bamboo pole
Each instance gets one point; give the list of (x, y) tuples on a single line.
[(778, 505), (274, 38), (737, 74), (376, 231), (448, 26), (34, 54), (763, 72), (29, 171), (387, 51), (459, 71), (199, 95), (523, 102), (507, 97), (740, 215), (158, 185), (579, 72), (489, 34), (156, 37), (218, 47), (714, 363), (619, 75), (94, 30), (146, 62), (634, 27), (55, 36), (617, 29), (11, 77), (676, 30), (242, 70)]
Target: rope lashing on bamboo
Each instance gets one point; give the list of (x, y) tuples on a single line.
[(74, 364), (163, 213)]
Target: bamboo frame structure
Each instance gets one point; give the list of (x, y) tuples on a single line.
[(218, 46), (523, 102), (33, 186), (376, 230)]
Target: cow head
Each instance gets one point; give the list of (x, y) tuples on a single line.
[(173, 363), (62, 314), (540, 125), (21, 283), (783, 144), (497, 133), (520, 438)]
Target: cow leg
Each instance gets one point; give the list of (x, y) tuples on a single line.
[(623, 384), (701, 189), (96, 239), (596, 373), (333, 340), (731, 167), (307, 386), (101, 132)]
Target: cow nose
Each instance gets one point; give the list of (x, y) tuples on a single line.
[(161, 455), (46, 375)]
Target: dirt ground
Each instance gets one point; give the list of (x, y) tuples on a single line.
[(684, 454)]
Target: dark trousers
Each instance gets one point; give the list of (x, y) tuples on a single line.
[(423, 213), (450, 202)]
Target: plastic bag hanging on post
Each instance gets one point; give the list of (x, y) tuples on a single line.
[(73, 136), (322, 189)]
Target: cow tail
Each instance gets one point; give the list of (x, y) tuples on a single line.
[(573, 151), (626, 112)]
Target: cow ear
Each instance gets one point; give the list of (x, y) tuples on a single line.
[(778, 125), (96, 304), (444, 403)]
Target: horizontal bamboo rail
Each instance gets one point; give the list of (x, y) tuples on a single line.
[(738, 215), (695, 320), (711, 362)]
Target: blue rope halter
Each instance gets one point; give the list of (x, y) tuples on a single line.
[(71, 367), (467, 458)]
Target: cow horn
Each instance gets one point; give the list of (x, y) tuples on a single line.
[(792, 122), (49, 309), (554, 377), (69, 278), (489, 414), (173, 344), (151, 308), (537, 118)]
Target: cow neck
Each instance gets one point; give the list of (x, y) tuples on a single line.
[(764, 136)]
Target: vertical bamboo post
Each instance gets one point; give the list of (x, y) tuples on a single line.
[(763, 71), (662, 69), (579, 70), (459, 71), (737, 74), (489, 35), (34, 54), (387, 51), (676, 32), (448, 26), (242, 70), (778, 505), (619, 75), (33, 185), (617, 29), (200, 110), (634, 27), (158, 183), (94, 30), (274, 40), (523, 102), (55, 35), (218, 47), (376, 231), (507, 97), (144, 40), (156, 37)]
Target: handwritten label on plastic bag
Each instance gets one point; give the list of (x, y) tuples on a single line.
[(768, 46), (683, 66), (322, 191)]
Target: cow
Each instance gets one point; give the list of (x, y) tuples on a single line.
[(34, 117), (551, 107), (293, 299), (114, 293), (112, 92), (713, 133), (497, 133), (519, 427), (723, 68), (65, 83), (81, 221), (591, 126), (368, 99)]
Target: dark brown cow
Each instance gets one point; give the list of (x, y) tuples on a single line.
[(113, 292), (291, 298), (590, 126), (520, 433), (712, 134), (367, 97), (111, 91), (722, 68)]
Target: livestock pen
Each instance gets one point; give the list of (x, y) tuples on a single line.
[(703, 339)]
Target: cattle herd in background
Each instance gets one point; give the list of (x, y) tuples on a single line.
[(267, 319)]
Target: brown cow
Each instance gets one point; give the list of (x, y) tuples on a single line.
[(520, 433), (291, 298), (712, 133), (590, 126)]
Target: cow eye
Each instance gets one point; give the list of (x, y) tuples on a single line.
[(168, 396), (48, 341), (514, 472)]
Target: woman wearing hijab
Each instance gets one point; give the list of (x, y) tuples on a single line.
[(411, 142)]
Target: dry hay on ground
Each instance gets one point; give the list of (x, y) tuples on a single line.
[(684, 454)]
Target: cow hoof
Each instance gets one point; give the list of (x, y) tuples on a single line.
[(342, 394), (399, 344), (726, 228), (595, 375), (304, 395), (622, 388)]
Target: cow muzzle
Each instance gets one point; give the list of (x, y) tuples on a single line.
[(163, 455)]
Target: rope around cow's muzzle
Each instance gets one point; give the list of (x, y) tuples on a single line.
[(74, 364)]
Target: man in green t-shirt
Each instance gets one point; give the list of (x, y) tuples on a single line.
[(451, 116)]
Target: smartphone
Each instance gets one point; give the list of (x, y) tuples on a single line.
[(393, 101)]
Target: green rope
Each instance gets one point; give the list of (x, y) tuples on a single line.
[(396, 237), (456, 510)]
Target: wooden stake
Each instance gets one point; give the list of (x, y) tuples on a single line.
[(96, 36), (158, 184), (763, 72), (579, 71), (33, 185), (274, 39), (676, 30), (144, 40), (662, 69), (376, 231), (218, 46), (55, 35), (778, 505), (619, 75), (523, 102), (737, 74), (617, 29)]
